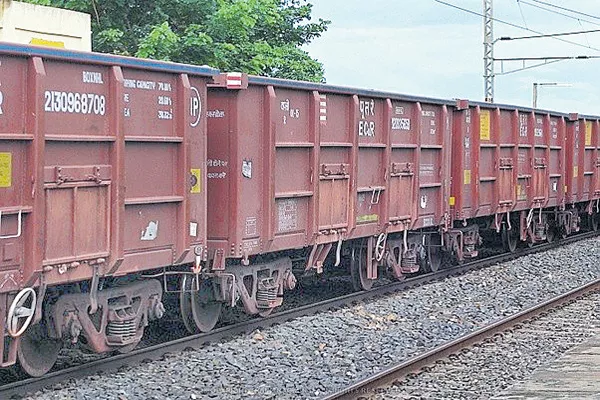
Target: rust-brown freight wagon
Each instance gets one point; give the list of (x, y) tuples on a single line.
[(582, 188), (515, 172), (333, 170), (102, 175)]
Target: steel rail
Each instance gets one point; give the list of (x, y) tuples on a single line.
[(367, 387), (155, 352)]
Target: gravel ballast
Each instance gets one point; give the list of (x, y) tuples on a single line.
[(486, 369), (314, 355)]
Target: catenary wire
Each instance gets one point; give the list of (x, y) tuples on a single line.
[(566, 9), (559, 13), (514, 25)]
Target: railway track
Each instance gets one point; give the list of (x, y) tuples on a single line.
[(367, 387), (22, 387)]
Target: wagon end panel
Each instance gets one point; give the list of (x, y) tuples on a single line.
[(221, 126), (595, 143), (196, 169), (574, 156), (77, 169), (294, 119), (462, 188), (16, 165), (251, 172), (590, 157)]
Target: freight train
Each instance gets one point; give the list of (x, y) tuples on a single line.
[(123, 180)]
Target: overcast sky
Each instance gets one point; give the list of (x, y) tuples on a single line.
[(422, 47)]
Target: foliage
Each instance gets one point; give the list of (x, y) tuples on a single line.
[(256, 36)]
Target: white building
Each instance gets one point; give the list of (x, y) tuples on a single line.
[(44, 26)]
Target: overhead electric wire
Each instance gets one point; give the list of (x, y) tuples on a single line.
[(586, 37), (514, 25), (522, 15), (547, 58), (550, 35), (559, 13), (566, 9)]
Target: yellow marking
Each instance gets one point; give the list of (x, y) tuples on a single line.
[(566, 189), (5, 170), (47, 43), (518, 191), (367, 218), (588, 133), (196, 180), (575, 171), (484, 125), (467, 176), (452, 200)]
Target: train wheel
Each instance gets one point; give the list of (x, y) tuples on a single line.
[(510, 239), (358, 269), (199, 310), (36, 352)]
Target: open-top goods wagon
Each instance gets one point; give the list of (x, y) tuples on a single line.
[(326, 168), (102, 174), (125, 180), (516, 171)]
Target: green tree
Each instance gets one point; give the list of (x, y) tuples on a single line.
[(261, 37)]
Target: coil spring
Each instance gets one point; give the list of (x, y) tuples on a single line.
[(266, 293), (409, 261), (123, 329)]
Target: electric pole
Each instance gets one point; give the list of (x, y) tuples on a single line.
[(488, 50)]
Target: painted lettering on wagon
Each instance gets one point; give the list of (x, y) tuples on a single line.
[(195, 107), (554, 129), (147, 85), (215, 114), (92, 77), (538, 132), (219, 164), (367, 109), (432, 124), (162, 100), (523, 125), (74, 103), (286, 107), (401, 124)]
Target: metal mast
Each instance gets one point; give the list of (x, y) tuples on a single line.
[(488, 50)]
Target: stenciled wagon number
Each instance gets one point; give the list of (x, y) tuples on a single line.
[(78, 103)]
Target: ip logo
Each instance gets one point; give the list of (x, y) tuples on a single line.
[(195, 107)]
